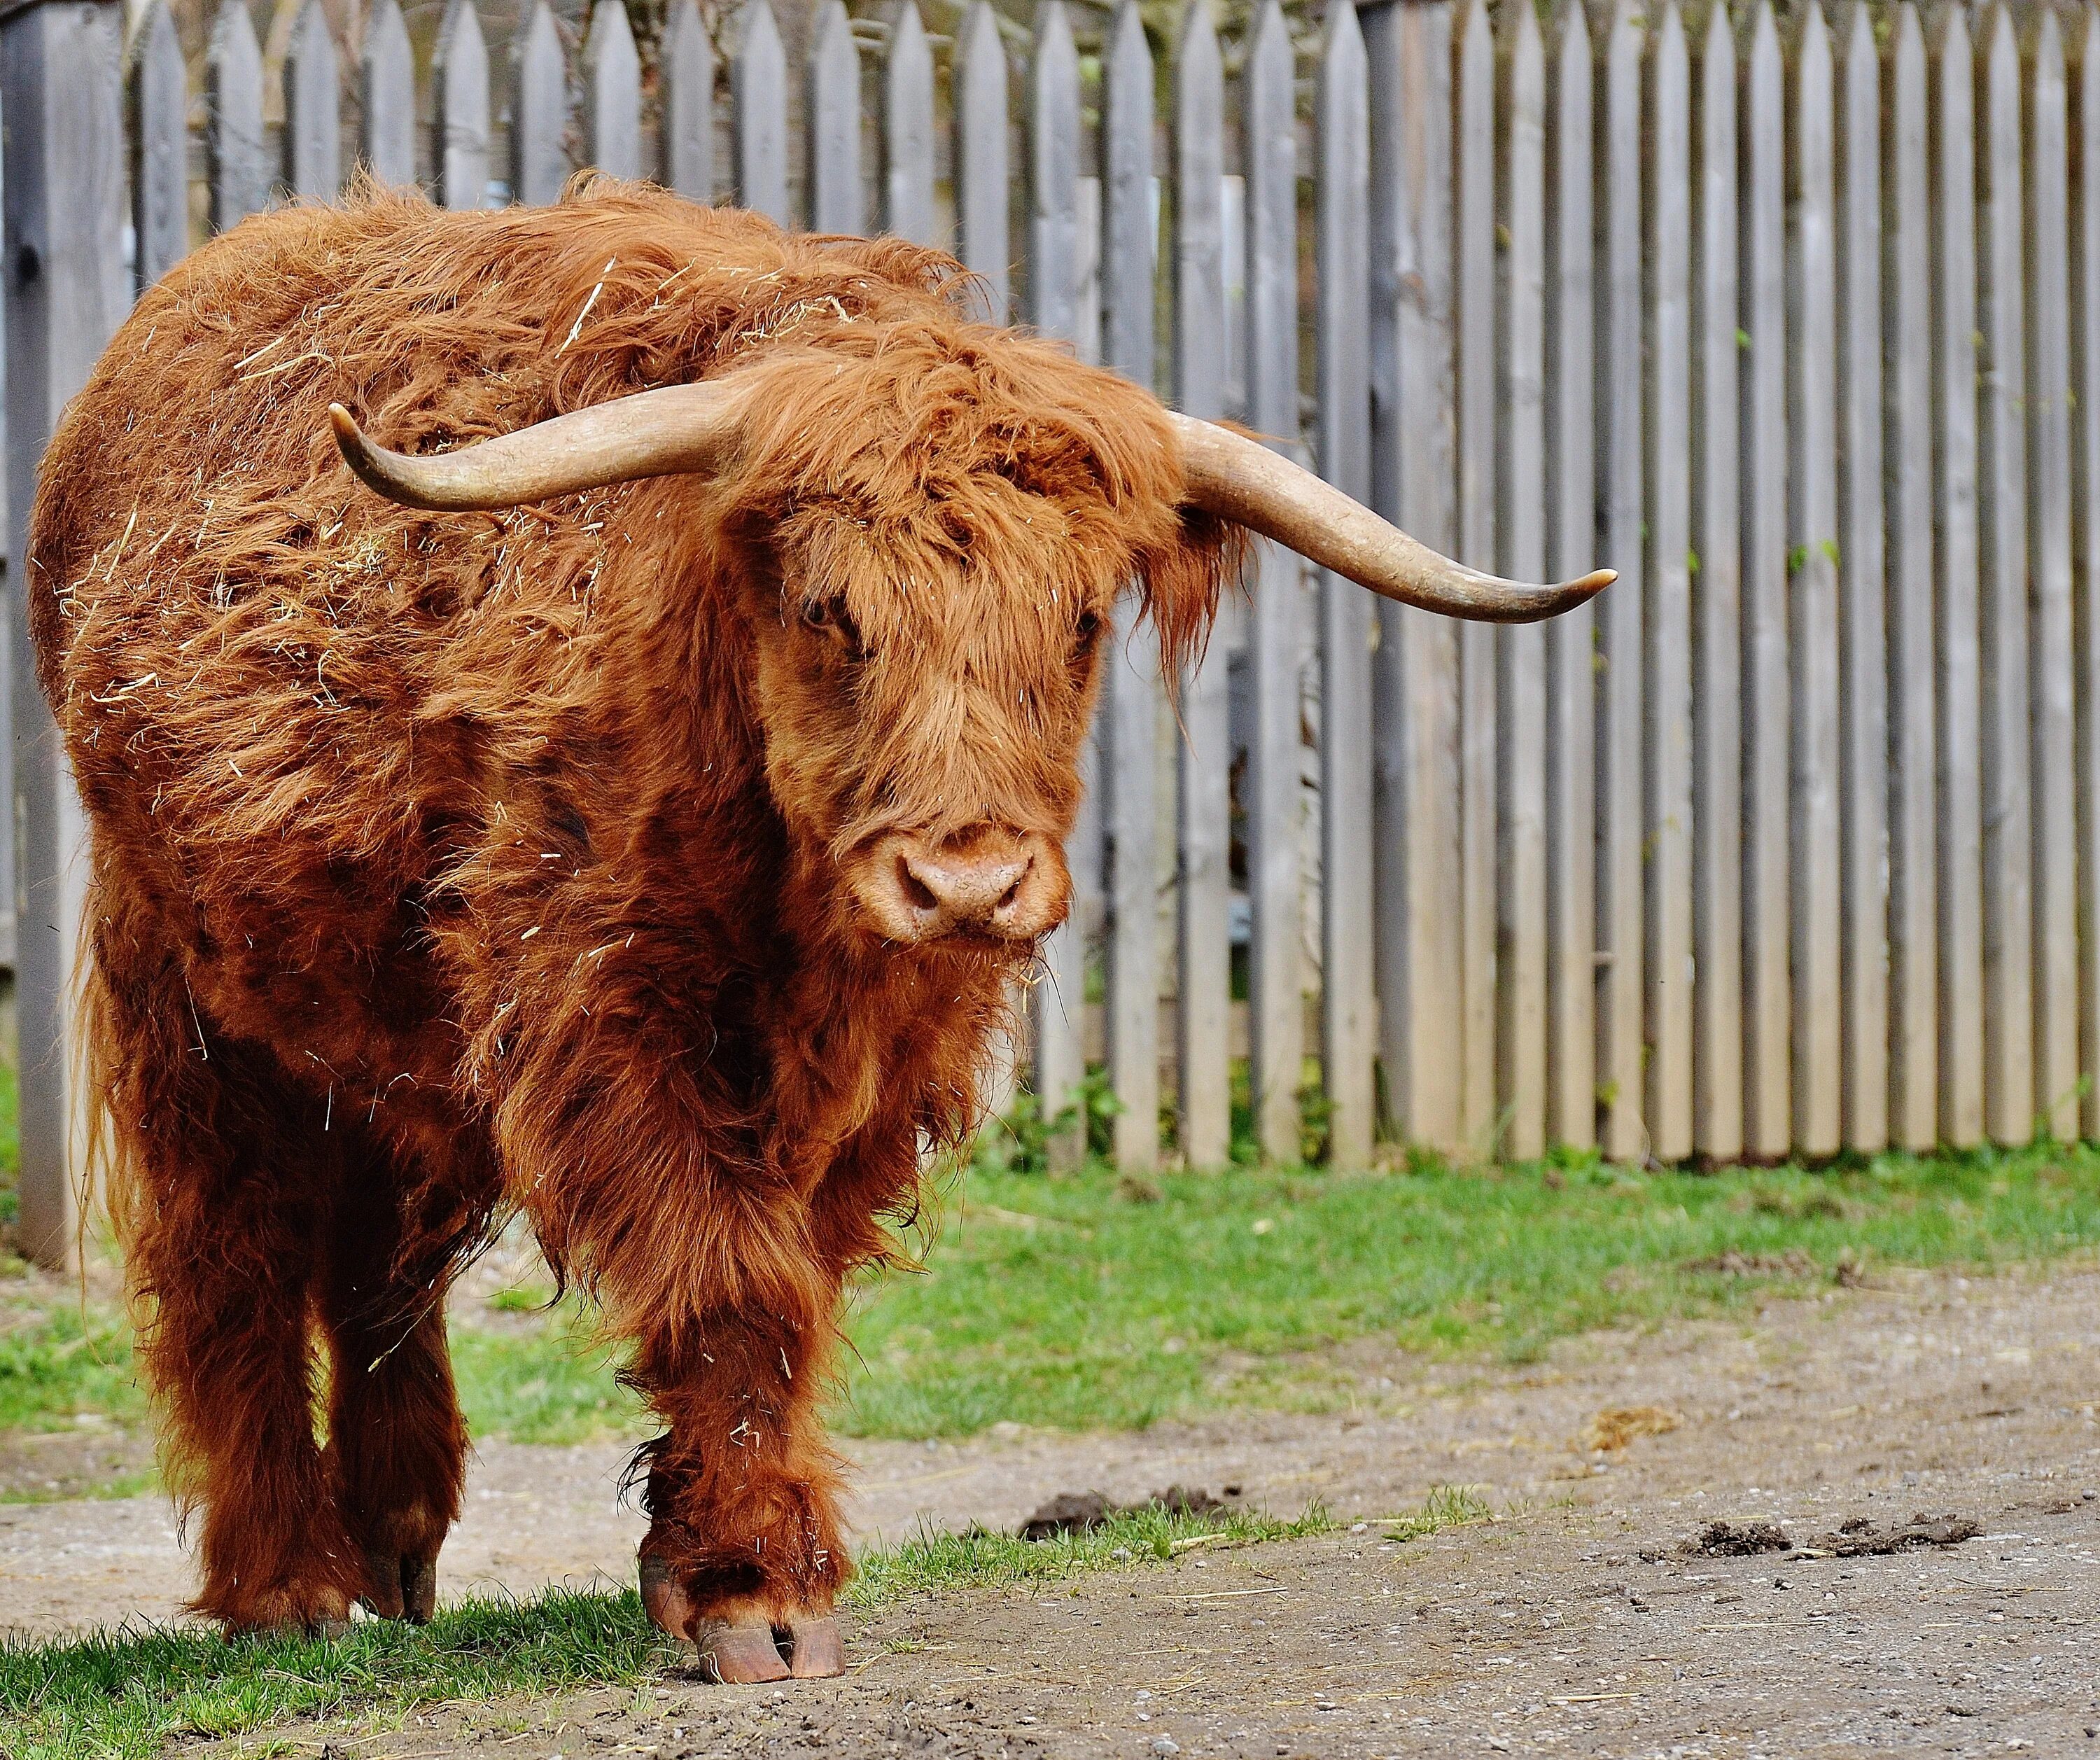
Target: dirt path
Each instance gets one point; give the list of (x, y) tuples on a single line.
[(1576, 1628)]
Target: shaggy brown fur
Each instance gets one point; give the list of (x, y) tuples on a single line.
[(446, 863)]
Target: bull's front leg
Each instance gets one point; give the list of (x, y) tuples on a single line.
[(745, 1553)]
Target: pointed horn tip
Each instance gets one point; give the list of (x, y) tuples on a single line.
[(350, 441), (1595, 581)]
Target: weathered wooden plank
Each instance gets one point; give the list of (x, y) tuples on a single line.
[(612, 92), (2085, 494), (1862, 583), (1521, 881), (1914, 884), (62, 92), (1057, 288), (1349, 1002), (1620, 914), (1571, 676), (1420, 910), (834, 122), (313, 126), (1717, 542), (982, 171), (759, 82), (459, 102), (539, 110), (686, 141), (1275, 648), (1474, 250), (2052, 714), (907, 129), (1957, 536), (387, 85), (2008, 1038), (236, 158), (1768, 1085), (1666, 703), (1813, 562), (1130, 762), (158, 89), (1203, 1017)]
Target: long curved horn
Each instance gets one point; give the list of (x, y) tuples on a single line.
[(679, 428), (1241, 480)]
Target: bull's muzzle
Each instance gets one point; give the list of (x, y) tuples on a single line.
[(986, 884)]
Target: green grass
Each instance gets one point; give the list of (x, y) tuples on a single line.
[(127, 1695), (1059, 1302), (1056, 1302)]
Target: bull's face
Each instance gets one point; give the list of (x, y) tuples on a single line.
[(924, 682)]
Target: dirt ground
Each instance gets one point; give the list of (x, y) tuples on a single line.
[(1577, 1625)]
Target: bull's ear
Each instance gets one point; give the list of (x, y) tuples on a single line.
[(1183, 581)]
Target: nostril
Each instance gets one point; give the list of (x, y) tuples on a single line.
[(917, 893), (1008, 898)]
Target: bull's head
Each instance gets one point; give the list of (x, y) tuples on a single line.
[(938, 525)]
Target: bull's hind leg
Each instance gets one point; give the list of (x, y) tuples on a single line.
[(397, 1441), (222, 1200)]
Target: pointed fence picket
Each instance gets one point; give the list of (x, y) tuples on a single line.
[(1907, 415), (686, 127), (1667, 691), (2008, 1062), (907, 131), (1349, 1004), (236, 156), (1862, 575), (759, 80), (1275, 983), (1716, 567), (1767, 1004), (1204, 755), (312, 138), (386, 87), (1130, 764), (158, 122), (834, 122), (1571, 658), (2052, 716), (612, 92), (982, 181), (1812, 564), (540, 110), (1957, 563), (1621, 820), (1789, 843), (459, 109), (1473, 243)]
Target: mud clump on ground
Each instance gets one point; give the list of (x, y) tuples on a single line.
[(1071, 1512), (1854, 1539), (1734, 1540)]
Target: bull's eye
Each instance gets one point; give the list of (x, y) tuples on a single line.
[(1085, 631), (831, 618)]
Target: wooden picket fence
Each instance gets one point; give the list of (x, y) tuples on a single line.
[(1791, 843)]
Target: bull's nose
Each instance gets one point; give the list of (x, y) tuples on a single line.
[(971, 892), (1003, 885)]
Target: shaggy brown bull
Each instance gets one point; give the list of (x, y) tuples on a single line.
[(633, 818)]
